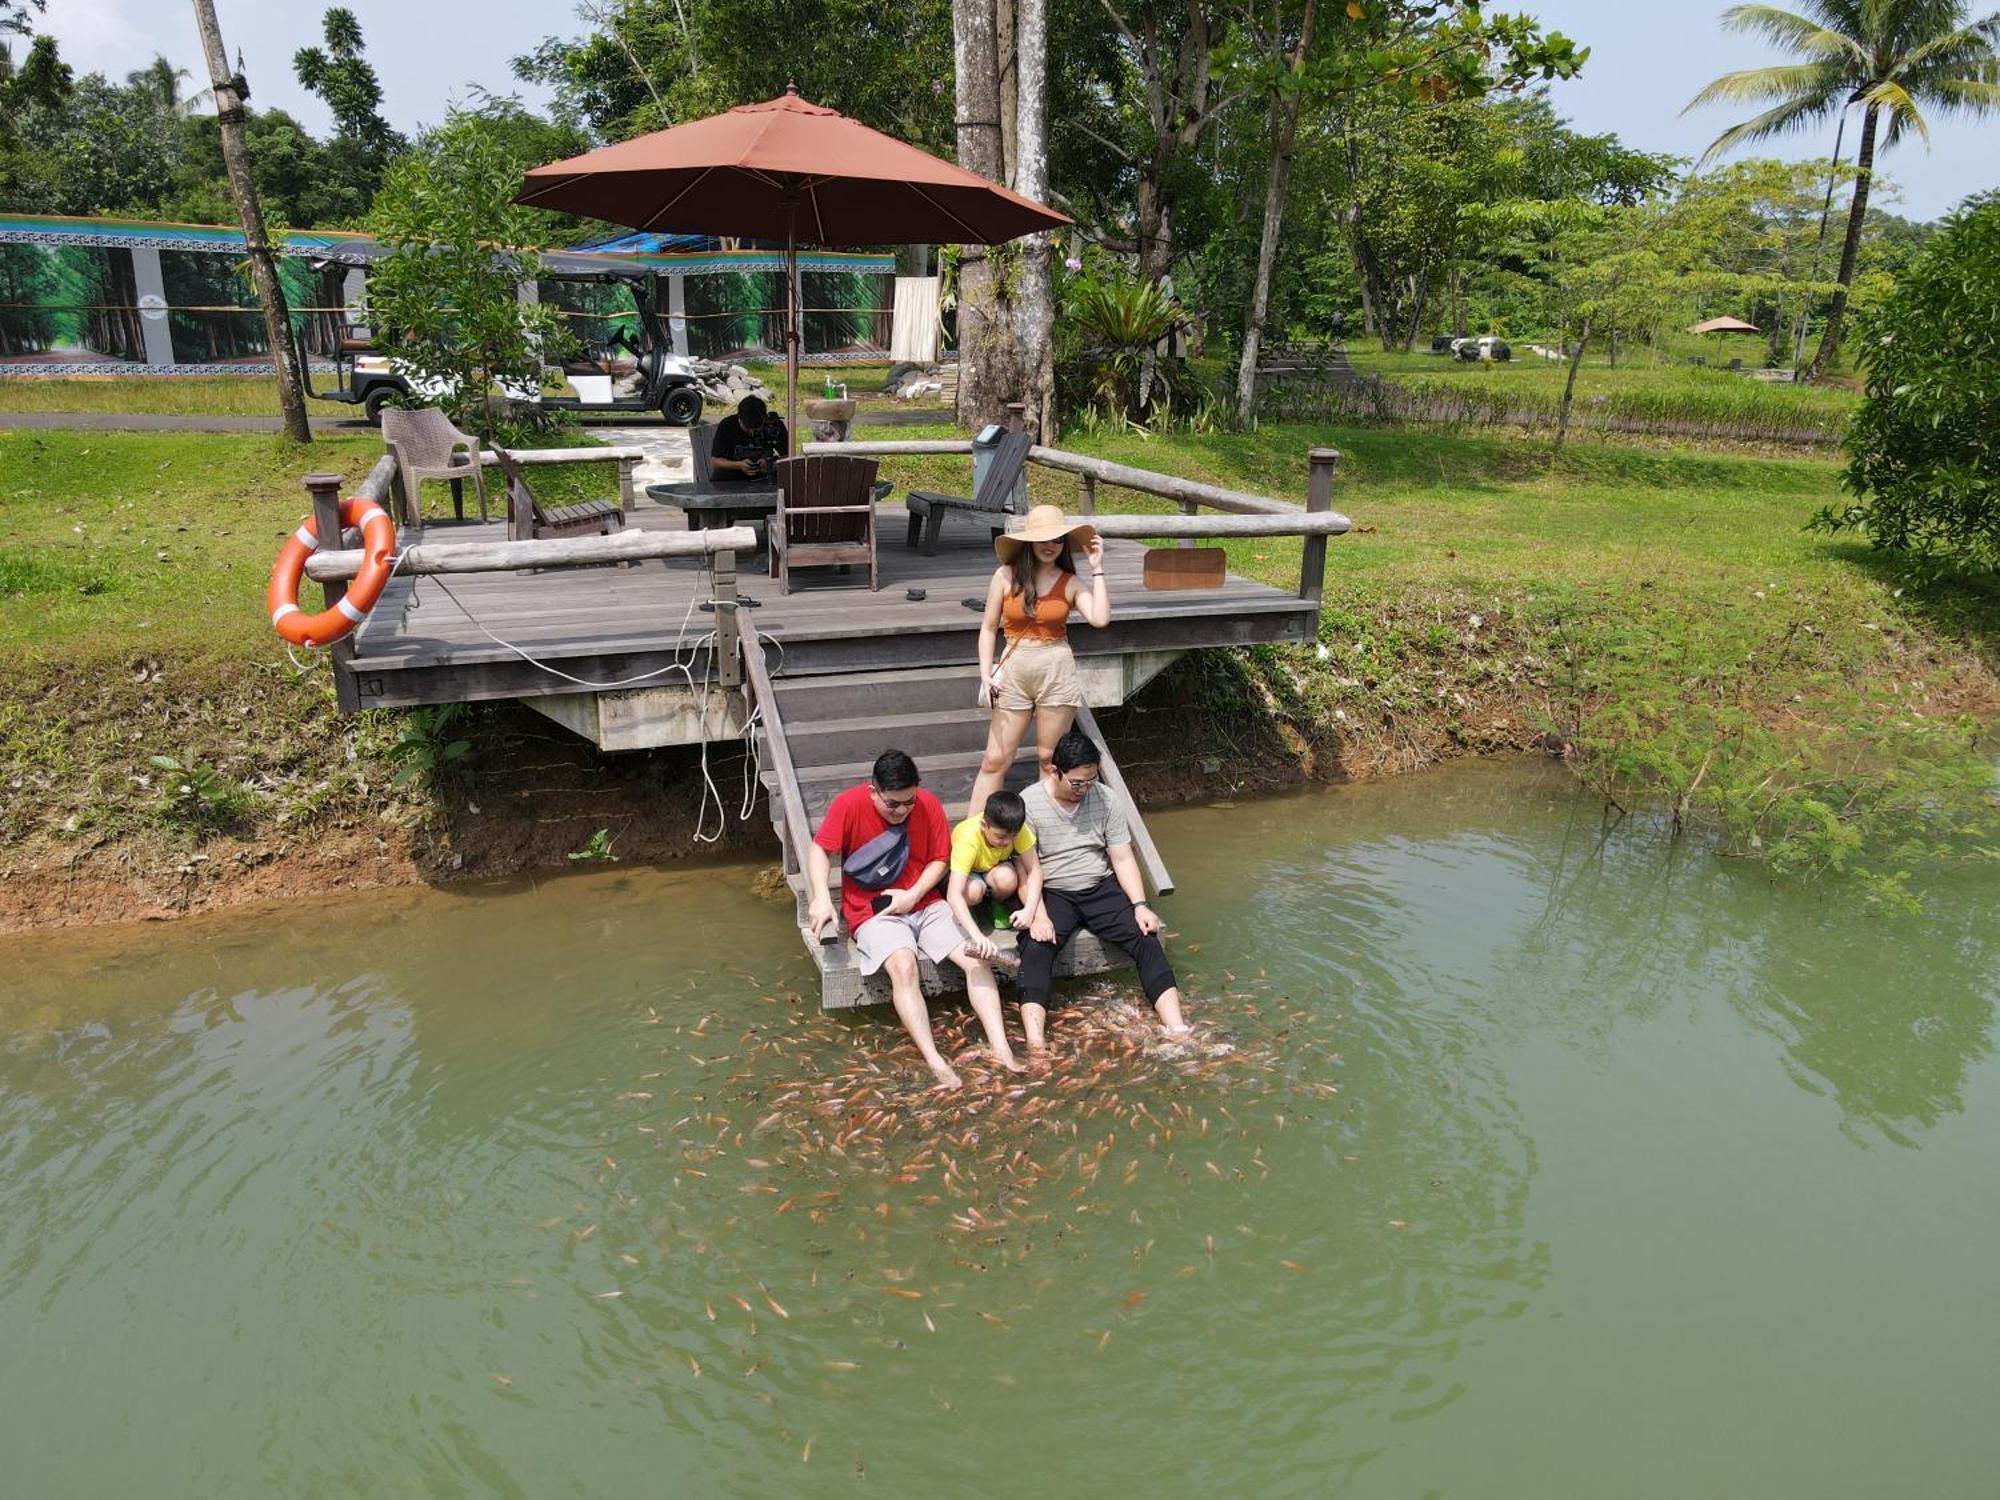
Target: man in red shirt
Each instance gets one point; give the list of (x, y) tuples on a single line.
[(892, 906)]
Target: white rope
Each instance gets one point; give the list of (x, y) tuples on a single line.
[(686, 653)]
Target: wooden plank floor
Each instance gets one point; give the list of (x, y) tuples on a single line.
[(425, 642)]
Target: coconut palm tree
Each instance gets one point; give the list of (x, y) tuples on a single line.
[(1894, 58)]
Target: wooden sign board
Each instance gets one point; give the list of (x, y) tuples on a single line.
[(1186, 567)]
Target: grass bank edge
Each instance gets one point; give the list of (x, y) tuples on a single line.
[(1788, 691)]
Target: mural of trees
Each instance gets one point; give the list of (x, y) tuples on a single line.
[(28, 283), (734, 313), (603, 317), (197, 280), (98, 302)]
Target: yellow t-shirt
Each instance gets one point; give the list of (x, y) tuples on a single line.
[(972, 855)]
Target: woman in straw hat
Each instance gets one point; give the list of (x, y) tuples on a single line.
[(1029, 600)]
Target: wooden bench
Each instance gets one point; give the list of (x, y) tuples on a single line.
[(530, 520)]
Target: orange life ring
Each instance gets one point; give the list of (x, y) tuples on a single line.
[(281, 599)]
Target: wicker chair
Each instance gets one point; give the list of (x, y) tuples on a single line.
[(427, 446)]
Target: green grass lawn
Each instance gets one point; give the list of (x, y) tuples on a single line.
[(167, 395), (1662, 609), (115, 544), (1639, 388)]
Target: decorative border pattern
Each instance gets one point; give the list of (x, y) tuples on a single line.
[(24, 372)]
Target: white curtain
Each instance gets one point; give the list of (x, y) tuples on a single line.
[(913, 334)]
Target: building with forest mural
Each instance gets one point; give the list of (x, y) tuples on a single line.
[(114, 296)]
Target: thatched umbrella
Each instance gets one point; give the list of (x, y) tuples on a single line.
[(1725, 325)]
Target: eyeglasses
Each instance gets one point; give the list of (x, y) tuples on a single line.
[(896, 804), (1076, 785)]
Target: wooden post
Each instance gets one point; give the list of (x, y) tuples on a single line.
[(626, 465), (728, 650), (1086, 495), (1017, 416), (1188, 508), (325, 492), (1320, 463)]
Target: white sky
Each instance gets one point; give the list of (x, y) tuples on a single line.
[(1648, 58)]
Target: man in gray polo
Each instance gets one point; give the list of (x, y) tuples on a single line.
[(1086, 877)]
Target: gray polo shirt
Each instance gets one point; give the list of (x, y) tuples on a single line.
[(1073, 849)]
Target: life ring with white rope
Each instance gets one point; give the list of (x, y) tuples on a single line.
[(281, 599)]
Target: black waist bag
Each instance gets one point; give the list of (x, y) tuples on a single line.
[(879, 861)]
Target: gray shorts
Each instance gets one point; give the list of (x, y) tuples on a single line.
[(929, 930)]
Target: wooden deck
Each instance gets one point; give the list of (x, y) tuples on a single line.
[(616, 625)]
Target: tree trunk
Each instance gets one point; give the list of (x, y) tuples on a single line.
[(988, 377), (1284, 139), (1007, 84), (1864, 171), (263, 267), (1569, 386), (1034, 321), (1419, 295)]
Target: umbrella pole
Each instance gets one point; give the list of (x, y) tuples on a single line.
[(791, 327)]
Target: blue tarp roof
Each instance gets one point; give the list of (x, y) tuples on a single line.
[(644, 242)]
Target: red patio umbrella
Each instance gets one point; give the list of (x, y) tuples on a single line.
[(786, 169)]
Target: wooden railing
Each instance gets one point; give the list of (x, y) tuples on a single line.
[(798, 829), (1243, 514), (334, 565)]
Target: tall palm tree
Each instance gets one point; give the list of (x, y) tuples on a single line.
[(1894, 58)]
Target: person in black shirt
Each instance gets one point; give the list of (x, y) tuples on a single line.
[(747, 444)]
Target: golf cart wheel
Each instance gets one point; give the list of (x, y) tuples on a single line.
[(682, 406), (373, 403)]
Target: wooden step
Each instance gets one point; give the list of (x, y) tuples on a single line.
[(921, 736), (842, 695), (843, 988)]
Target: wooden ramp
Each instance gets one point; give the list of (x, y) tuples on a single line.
[(820, 735)]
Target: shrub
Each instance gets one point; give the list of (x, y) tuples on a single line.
[(1925, 446)]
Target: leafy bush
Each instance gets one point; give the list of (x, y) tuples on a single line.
[(196, 794), (445, 298), (1925, 445), (1105, 366), (427, 747)]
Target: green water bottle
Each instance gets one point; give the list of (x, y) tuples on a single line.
[(830, 392)]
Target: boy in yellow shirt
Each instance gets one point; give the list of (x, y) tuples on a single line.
[(992, 855)]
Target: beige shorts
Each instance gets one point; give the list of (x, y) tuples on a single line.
[(1038, 674), (930, 930)]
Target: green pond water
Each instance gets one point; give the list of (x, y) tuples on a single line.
[(1541, 1162)]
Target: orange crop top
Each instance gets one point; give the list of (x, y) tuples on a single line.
[(1050, 622)]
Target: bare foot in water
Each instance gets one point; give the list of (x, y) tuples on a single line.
[(1011, 1063), (946, 1078)]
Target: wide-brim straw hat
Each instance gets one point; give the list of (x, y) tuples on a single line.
[(1045, 523)]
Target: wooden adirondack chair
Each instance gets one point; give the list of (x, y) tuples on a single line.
[(529, 519), (995, 497), (825, 516)]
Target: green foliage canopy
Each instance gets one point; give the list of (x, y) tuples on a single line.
[(447, 297), (1925, 446)]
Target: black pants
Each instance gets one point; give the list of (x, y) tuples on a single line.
[(1106, 910)]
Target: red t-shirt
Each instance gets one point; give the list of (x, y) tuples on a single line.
[(852, 820)]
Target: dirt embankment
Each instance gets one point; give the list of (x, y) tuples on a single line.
[(303, 800)]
